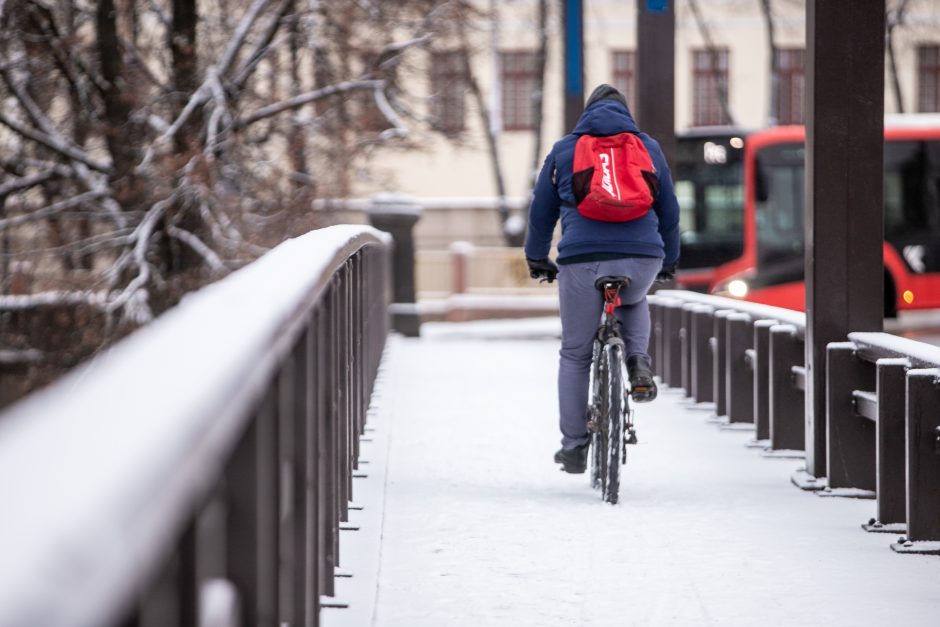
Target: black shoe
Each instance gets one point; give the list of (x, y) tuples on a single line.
[(642, 385), (573, 460)]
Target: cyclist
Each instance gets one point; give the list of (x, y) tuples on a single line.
[(643, 249)]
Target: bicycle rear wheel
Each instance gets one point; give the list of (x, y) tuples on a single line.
[(612, 391)]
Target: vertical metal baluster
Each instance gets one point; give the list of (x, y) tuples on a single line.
[(923, 455), (739, 382), (850, 438), (313, 493), (890, 447)]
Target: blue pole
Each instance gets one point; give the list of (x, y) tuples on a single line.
[(574, 61)]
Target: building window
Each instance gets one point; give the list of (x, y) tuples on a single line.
[(623, 63), (928, 79), (519, 80), (709, 82), (448, 86), (788, 109)]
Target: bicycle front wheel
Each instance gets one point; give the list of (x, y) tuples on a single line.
[(612, 419)]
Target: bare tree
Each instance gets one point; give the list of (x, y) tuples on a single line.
[(151, 146), (538, 98), (895, 17), (767, 12), (714, 58)]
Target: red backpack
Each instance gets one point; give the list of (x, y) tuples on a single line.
[(614, 179)]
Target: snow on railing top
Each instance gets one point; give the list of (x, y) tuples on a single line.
[(755, 310), (99, 468), (885, 345)]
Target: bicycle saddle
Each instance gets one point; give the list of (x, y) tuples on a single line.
[(617, 282)]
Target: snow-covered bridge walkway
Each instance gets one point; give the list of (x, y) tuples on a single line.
[(467, 521)]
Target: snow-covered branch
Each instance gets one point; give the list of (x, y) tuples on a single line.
[(17, 185), (141, 239), (51, 143), (306, 98), (211, 258), (22, 302), (9, 357), (241, 31), (262, 47), (50, 210)]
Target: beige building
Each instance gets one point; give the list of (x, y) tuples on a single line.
[(724, 42), (737, 30)]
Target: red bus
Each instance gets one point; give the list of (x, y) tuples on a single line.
[(708, 174), (770, 267)]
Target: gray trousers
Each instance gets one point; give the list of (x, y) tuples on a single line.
[(581, 307)]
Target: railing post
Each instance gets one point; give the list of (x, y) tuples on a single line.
[(850, 438), (923, 455), (398, 215), (251, 517), (787, 424), (719, 350), (657, 309), (311, 484), (889, 436), (672, 343), (460, 266), (329, 449), (739, 393), (701, 334), (762, 378), (685, 338)]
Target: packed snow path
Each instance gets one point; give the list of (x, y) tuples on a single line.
[(467, 521)]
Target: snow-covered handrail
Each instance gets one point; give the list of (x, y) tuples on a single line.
[(755, 310), (101, 473), (885, 346)]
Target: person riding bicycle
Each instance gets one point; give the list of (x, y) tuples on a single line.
[(644, 249)]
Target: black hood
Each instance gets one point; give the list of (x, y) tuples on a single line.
[(603, 91)]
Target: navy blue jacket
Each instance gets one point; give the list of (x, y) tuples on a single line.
[(654, 235)]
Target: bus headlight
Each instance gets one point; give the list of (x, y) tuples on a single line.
[(738, 288)]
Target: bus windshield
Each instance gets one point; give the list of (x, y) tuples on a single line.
[(708, 178), (911, 197), (912, 192), (779, 188)]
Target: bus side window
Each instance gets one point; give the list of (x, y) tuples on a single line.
[(761, 184)]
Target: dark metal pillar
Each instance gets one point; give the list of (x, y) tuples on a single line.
[(844, 175), (573, 21), (655, 73), (398, 217)]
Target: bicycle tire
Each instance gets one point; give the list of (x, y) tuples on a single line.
[(612, 420)]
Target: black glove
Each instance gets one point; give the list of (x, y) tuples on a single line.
[(544, 269), (667, 274)]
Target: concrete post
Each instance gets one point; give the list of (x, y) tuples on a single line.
[(397, 215)]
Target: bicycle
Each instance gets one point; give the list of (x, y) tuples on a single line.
[(609, 415)]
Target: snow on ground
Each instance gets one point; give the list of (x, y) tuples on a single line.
[(479, 527)]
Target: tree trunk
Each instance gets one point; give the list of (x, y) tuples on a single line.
[(538, 98), (121, 134), (297, 144), (185, 79), (713, 58), (892, 22), (85, 261), (772, 51)]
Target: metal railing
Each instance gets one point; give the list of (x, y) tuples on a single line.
[(198, 471), (883, 401), (746, 358)]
